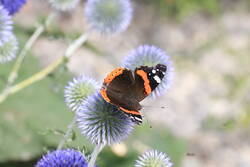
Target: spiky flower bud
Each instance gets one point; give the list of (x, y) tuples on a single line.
[(78, 90), (9, 49), (147, 55), (101, 122), (64, 5), (108, 16), (63, 158), (12, 6), (154, 158), (5, 25)]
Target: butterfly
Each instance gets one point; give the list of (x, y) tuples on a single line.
[(125, 88)]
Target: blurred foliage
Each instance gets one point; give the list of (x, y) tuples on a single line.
[(26, 114), (214, 123), (33, 120), (180, 8), (150, 138)]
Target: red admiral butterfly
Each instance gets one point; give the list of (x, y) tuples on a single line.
[(126, 89)]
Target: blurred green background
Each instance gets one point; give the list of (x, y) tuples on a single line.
[(206, 112)]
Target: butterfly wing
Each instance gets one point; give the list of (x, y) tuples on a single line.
[(118, 89), (147, 79), (142, 83), (126, 90)]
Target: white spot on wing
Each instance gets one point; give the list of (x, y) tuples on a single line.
[(157, 79), (153, 71), (138, 120)]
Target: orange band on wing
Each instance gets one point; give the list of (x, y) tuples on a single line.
[(104, 95), (116, 72), (130, 112), (144, 76)]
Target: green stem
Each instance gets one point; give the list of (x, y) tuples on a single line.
[(46, 71), (67, 134), (97, 150), (14, 72)]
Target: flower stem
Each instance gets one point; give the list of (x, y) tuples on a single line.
[(67, 134), (97, 150), (14, 72), (46, 71)]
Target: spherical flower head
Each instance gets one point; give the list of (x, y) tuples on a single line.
[(77, 90), (101, 122), (5, 25), (64, 5), (147, 55), (9, 49), (108, 16), (63, 158), (154, 158), (12, 6)]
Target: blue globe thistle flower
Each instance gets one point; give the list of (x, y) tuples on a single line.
[(154, 158), (9, 49), (77, 91), (147, 55), (64, 5), (63, 158), (5, 25), (101, 122), (12, 6), (108, 16)]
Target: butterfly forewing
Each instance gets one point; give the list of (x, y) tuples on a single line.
[(121, 91)]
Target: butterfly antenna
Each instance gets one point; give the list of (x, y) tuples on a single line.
[(161, 107)]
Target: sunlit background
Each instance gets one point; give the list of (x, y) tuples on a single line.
[(202, 121)]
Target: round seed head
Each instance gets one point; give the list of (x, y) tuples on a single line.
[(5, 25), (9, 49), (63, 158), (102, 122), (108, 16), (154, 158), (12, 6), (78, 90), (147, 55)]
